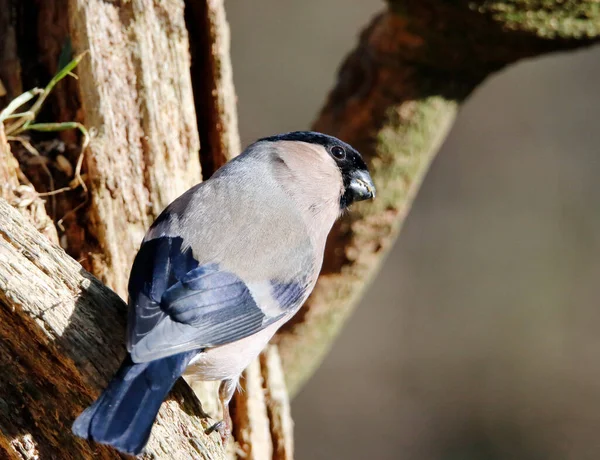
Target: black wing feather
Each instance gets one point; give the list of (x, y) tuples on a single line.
[(159, 264), (176, 305)]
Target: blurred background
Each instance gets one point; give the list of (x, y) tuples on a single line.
[(479, 338)]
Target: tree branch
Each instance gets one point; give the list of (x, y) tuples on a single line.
[(61, 341), (396, 97)]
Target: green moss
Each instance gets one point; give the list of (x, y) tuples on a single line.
[(404, 147), (549, 19)]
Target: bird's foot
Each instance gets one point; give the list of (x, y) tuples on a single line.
[(226, 390), (222, 428)]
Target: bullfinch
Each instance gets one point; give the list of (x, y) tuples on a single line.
[(220, 271)]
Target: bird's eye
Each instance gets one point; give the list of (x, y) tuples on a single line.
[(338, 152)]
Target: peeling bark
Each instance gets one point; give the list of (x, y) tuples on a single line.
[(135, 95), (396, 97)]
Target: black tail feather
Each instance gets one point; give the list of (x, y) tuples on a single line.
[(124, 413)]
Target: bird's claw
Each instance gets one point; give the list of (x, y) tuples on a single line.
[(220, 427), (215, 427)]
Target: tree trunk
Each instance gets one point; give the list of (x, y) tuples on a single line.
[(136, 93)]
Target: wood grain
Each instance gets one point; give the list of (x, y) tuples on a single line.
[(61, 340), (136, 95)]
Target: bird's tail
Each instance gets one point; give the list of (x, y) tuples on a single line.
[(124, 413)]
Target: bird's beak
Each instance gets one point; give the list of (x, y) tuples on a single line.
[(361, 186)]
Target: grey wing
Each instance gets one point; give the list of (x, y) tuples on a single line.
[(209, 307)]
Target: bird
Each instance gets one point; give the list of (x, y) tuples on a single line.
[(220, 270)]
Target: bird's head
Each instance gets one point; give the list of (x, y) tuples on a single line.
[(322, 167)]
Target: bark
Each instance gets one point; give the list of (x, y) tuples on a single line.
[(263, 426), (136, 94), (61, 341), (250, 420), (396, 97), (278, 405), (212, 78)]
